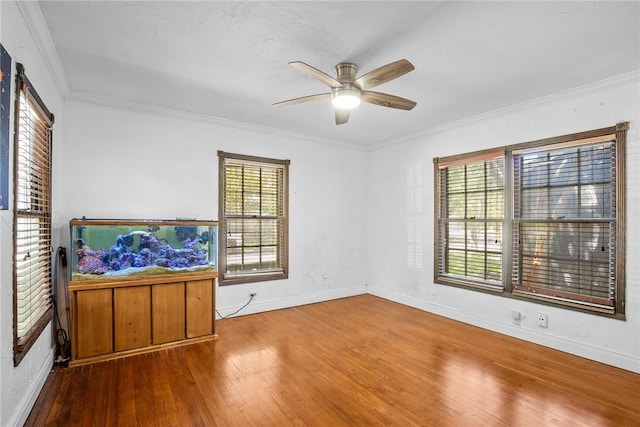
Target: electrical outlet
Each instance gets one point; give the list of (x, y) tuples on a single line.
[(517, 317), (543, 320)]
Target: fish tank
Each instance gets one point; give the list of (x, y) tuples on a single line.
[(103, 249)]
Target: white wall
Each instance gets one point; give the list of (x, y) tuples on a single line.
[(20, 385), (353, 214), (403, 218), (130, 164)]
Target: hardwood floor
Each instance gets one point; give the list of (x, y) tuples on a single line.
[(358, 361)]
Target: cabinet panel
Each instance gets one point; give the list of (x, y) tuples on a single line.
[(199, 308), (168, 307), (94, 328), (132, 317)]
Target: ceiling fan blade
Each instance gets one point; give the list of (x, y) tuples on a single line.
[(386, 100), (342, 116), (384, 74), (302, 99), (316, 74)]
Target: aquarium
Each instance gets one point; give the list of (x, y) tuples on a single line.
[(104, 249)]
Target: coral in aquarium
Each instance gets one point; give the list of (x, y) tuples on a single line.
[(90, 262), (150, 252)]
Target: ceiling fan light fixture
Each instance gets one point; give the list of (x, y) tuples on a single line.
[(347, 89), (345, 98)]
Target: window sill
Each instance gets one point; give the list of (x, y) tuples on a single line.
[(224, 280)]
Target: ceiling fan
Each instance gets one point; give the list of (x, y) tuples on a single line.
[(347, 91)]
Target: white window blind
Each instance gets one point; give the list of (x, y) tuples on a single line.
[(32, 216), (253, 218)]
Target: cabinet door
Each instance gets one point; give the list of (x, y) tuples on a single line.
[(199, 308), (93, 324), (132, 317), (168, 309)]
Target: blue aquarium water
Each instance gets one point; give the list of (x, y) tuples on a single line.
[(103, 248)]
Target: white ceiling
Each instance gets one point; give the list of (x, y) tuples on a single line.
[(229, 59)]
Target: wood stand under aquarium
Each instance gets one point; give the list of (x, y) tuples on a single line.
[(113, 319), (140, 285)]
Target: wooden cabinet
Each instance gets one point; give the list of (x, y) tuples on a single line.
[(199, 318), (94, 312), (168, 312), (119, 318), (132, 317)]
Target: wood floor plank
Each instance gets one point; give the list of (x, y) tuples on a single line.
[(125, 392), (354, 361), (94, 401), (213, 383)]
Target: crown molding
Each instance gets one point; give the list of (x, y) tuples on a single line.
[(39, 30), (139, 107), (589, 88)]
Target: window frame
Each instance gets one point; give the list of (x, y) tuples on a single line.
[(477, 158), (282, 218), (509, 289), (40, 196)]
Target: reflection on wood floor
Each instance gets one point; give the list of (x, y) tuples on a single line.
[(356, 361)]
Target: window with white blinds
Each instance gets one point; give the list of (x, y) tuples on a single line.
[(32, 216), (545, 221), (253, 218)]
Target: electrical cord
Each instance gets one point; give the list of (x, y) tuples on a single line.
[(237, 311), (63, 344)]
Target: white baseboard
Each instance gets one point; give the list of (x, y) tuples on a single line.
[(21, 415), (598, 354)]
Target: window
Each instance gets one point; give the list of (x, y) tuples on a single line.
[(472, 203), (542, 220), (32, 216), (253, 218)]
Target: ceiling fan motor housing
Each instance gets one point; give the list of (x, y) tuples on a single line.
[(349, 93), (346, 72)]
